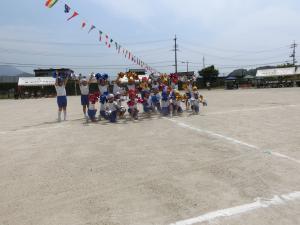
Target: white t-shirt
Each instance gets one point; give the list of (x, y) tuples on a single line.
[(165, 103), (103, 89), (155, 86), (102, 106), (174, 86), (119, 102), (92, 107), (61, 90), (111, 106), (84, 89), (131, 87), (116, 89)]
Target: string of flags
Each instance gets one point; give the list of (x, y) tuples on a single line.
[(104, 37)]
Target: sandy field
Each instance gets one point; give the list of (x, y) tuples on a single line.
[(237, 163)]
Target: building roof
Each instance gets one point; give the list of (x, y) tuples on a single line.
[(289, 71), (36, 81)]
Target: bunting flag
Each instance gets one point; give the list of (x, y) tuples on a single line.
[(74, 15), (108, 40), (92, 28), (50, 3), (67, 8), (100, 35)]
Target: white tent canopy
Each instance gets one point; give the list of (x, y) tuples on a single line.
[(36, 81), (290, 71)]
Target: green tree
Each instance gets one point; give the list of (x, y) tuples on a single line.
[(209, 74)]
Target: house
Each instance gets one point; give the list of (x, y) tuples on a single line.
[(278, 77)]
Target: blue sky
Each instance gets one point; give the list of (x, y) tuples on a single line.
[(228, 33)]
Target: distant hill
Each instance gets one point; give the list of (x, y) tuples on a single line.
[(6, 70)]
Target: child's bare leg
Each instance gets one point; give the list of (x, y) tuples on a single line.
[(59, 114), (65, 113), (84, 110)]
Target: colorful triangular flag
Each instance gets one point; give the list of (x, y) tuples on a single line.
[(50, 3), (67, 8), (100, 35), (74, 15), (92, 28)]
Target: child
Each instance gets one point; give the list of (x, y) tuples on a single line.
[(155, 100), (144, 86), (131, 84), (132, 105), (203, 101), (177, 103), (60, 86), (176, 99), (146, 101), (174, 81), (195, 101), (92, 108), (188, 94), (102, 83), (117, 87), (103, 101), (165, 103), (111, 109), (173, 103), (84, 89), (119, 100)]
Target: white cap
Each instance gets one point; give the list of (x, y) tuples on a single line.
[(110, 96)]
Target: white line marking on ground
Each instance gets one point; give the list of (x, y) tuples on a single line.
[(250, 109), (232, 140), (258, 204)]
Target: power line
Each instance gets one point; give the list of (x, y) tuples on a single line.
[(34, 65), (237, 51), (22, 52), (74, 43), (235, 58)]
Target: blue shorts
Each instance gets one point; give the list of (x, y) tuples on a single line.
[(113, 117), (62, 101), (102, 114), (165, 111), (84, 100), (92, 114), (146, 108), (196, 108), (188, 95)]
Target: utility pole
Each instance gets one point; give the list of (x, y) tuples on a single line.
[(187, 65), (176, 49), (294, 46), (203, 61)]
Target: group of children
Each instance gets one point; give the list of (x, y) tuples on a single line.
[(155, 95)]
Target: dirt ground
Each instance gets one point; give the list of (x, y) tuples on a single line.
[(245, 145)]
